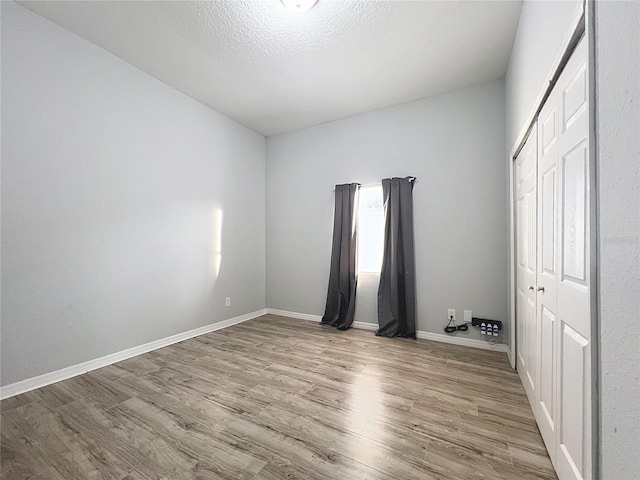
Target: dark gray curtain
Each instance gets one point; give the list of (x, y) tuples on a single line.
[(397, 290), (343, 276)]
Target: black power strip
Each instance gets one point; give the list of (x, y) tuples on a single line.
[(488, 327), (476, 322)]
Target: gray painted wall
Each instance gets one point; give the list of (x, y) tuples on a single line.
[(617, 45), (542, 28), (110, 183), (454, 144)]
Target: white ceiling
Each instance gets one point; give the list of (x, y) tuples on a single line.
[(276, 71)]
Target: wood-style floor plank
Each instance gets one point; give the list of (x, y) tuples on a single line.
[(277, 398)]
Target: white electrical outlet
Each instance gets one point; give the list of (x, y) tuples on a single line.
[(467, 316), (227, 302), (451, 314)]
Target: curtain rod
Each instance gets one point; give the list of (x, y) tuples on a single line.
[(411, 179)]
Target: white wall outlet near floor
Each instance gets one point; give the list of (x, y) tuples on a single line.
[(467, 316), (451, 314), (227, 302)]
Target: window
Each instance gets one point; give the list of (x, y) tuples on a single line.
[(370, 229)]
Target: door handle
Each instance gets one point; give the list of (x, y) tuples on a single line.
[(541, 289), (530, 287)]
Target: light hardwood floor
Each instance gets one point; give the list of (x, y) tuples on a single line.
[(277, 398)]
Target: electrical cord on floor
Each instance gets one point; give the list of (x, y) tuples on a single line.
[(454, 328)]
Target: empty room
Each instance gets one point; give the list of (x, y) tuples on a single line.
[(320, 239)]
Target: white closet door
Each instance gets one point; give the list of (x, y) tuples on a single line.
[(526, 327), (574, 320), (547, 273), (553, 322)]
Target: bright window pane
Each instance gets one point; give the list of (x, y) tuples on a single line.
[(370, 229)]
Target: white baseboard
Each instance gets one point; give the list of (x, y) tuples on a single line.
[(436, 337), (365, 325), (299, 316), (84, 367), (465, 342), (316, 318)]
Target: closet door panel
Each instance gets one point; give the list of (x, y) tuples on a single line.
[(571, 454), (548, 232), (545, 409), (532, 342), (521, 258), (526, 260), (574, 214), (547, 380), (574, 375)]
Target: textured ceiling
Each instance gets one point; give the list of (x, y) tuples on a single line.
[(275, 71)]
